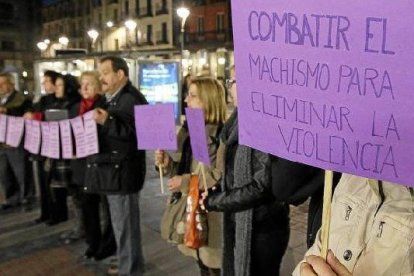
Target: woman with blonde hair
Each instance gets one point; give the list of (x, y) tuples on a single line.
[(101, 244), (207, 94)]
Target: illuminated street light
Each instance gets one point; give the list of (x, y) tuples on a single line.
[(42, 45), (109, 24), (47, 41), (183, 13), (64, 40), (93, 34), (221, 60), (130, 24)]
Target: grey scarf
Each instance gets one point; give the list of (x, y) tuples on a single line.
[(237, 246)]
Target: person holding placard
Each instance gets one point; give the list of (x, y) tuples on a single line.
[(256, 226), (371, 231), (118, 170), (58, 170), (37, 113), (207, 94), (101, 244), (13, 163)]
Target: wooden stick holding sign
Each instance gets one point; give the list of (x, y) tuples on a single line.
[(155, 128), (198, 139), (326, 213), (161, 170), (203, 175)]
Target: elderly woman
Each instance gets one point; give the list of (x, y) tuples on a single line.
[(101, 244)]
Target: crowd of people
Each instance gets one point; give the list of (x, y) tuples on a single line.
[(245, 201)]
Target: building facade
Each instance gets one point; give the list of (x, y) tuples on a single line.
[(17, 45), (74, 18), (153, 33)]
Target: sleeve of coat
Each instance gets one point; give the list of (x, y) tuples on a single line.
[(120, 123), (294, 182), (248, 196), (314, 250)]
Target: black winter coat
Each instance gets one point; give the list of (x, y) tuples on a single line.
[(119, 168), (78, 166), (294, 183)]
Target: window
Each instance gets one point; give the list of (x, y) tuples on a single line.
[(115, 15), (137, 7), (220, 23), (100, 19), (6, 11), (149, 7), (126, 5), (200, 25), (164, 32), (149, 33), (7, 45)]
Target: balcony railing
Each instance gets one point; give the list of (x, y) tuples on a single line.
[(161, 10), (223, 35), (145, 12)]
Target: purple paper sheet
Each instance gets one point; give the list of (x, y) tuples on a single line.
[(79, 133), (198, 136), (66, 139), (3, 128), (91, 133), (155, 127), (328, 85), (45, 139), (54, 140), (15, 130), (32, 136)]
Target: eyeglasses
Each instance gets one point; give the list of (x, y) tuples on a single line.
[(229, 83)]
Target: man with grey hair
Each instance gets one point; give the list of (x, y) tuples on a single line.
[(119, 168), (12, 160)]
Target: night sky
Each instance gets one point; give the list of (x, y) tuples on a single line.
[(47, 2)]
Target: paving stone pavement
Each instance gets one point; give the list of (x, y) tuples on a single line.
[(35, 249)]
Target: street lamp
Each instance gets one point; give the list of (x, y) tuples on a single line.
[(109, 24), (183, 13), (93, 34), (42, 45), (130, 25), (64, 41)]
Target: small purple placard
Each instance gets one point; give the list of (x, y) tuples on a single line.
[(91, 134), (198, 136), (15, 129), (3, 128), (45, 139), (155, 127), (79, 133)]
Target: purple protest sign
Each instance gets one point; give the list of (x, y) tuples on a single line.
[(155, 127), (54, 140), (66, 139), (15, 129), (32, 136), (198, 136), (91, 133), (33, 131), (44, 126), (327, 84), (79, 133), (27, 134), (3, 128)]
